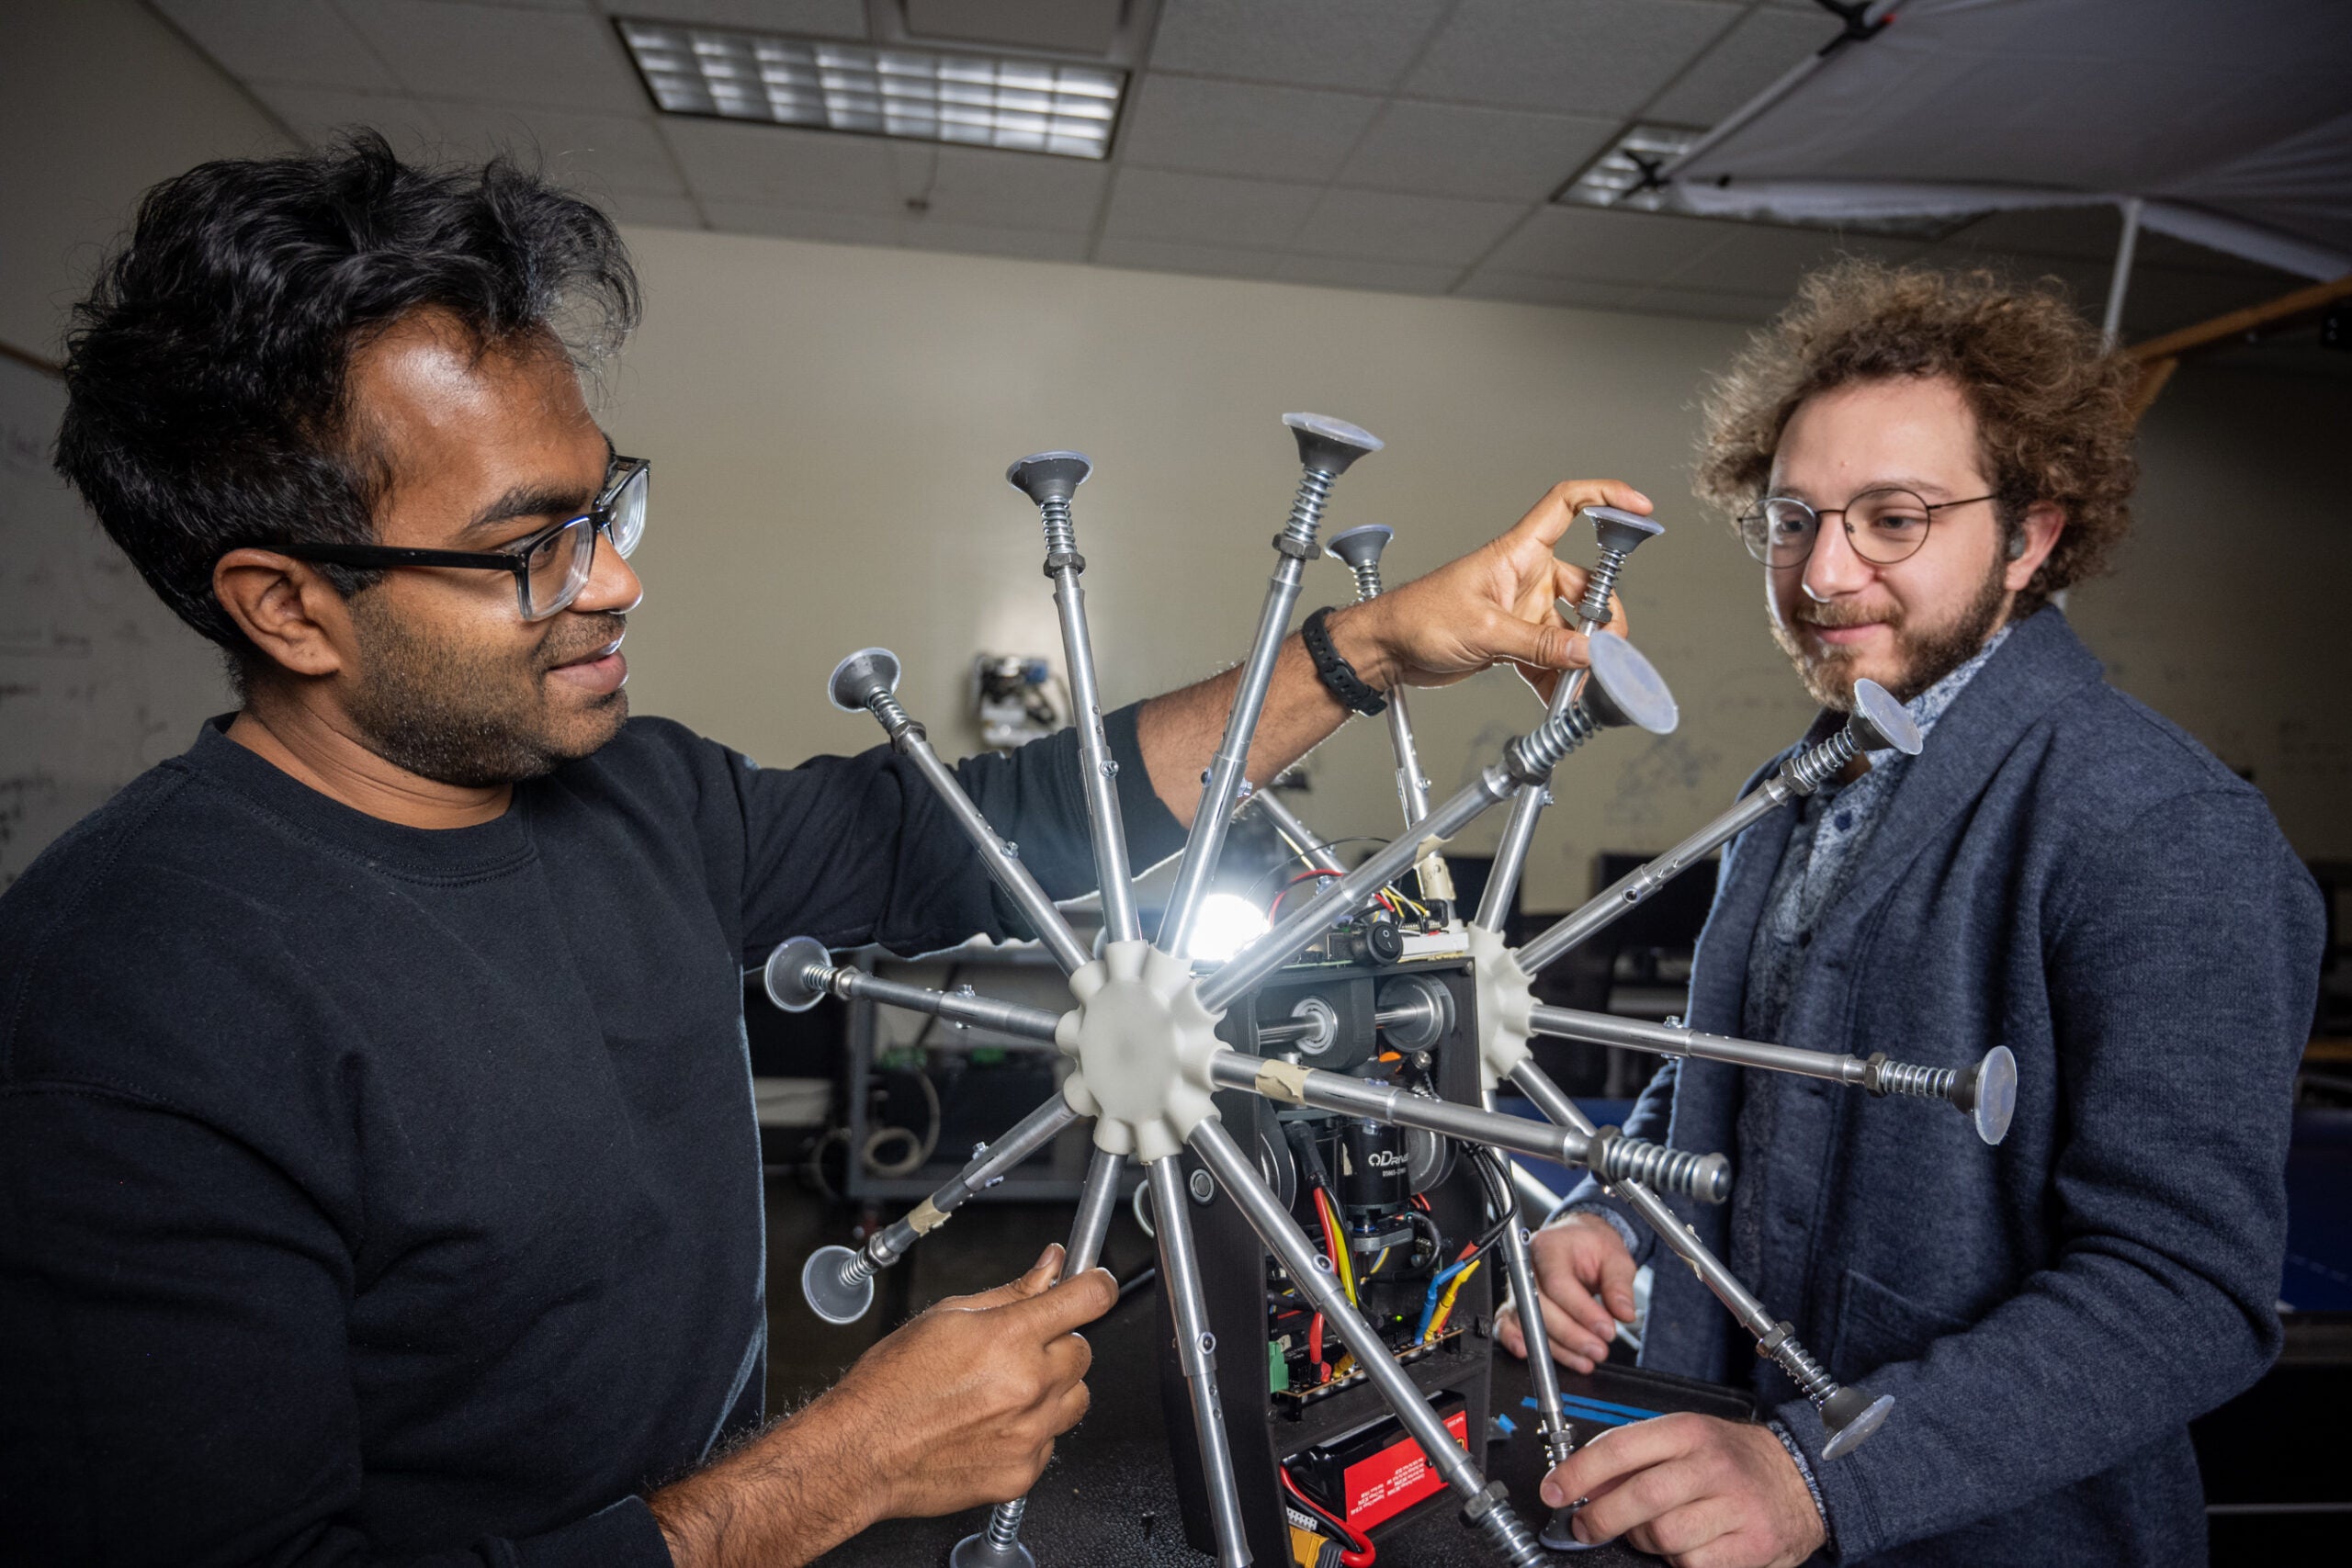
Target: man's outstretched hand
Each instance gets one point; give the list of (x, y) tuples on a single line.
[(1584, 1277), (960, 1406), (1699, 1492), (1493, 604)]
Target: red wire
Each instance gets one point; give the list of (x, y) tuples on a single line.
[(1275, 907), (1363, 1551)]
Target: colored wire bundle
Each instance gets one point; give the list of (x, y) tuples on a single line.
[(1359, 1552)]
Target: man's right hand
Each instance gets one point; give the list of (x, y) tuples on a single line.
[(1584, 1277), (960, 1406)]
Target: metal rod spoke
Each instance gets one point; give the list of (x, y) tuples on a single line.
[(1196, 1350), (847, 981), (999, 1542), (1309, 845), (868, 679), (1607, 1154), (1308, 1270), (838, 1283), (1848, 1414)]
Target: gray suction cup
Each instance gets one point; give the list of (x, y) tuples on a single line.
[(1555, 1535), (1049, 476), (1627, 690), (1851, 1415), (860, 675), (1989, 1094), (1327, 444), (827, 1297), (979, 1552), (1880, 722), (785, 974), (1620, 530), (1360, 546)]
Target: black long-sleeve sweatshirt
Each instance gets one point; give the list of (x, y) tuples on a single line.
[(377, 1195)]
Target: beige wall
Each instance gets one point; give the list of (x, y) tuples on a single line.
[(98, 100), (829, 426)]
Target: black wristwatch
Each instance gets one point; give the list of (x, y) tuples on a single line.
[(1338, 676)]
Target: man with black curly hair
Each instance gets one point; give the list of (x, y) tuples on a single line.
[(1920, 463), (379, 1176)]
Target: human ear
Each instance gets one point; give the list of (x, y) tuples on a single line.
[(286, 609), (2033, 542)]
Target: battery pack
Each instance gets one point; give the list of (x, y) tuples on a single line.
[(1375, 1474)]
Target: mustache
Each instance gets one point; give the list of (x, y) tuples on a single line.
[(1837, 613), (580, 636)]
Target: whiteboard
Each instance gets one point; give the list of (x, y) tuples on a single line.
[(98, 681)]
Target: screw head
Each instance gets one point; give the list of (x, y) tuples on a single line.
[(854, 680), (1329, 444), (1880, 722), (1201, 1185), (1360, 546), (1622, 531), (1626, 688), (1049, 476)]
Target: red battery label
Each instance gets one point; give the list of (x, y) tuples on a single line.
[(1379, 1487)]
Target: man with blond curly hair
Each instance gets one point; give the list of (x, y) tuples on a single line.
[(1922, 464)]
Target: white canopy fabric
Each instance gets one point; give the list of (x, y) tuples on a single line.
[(2229, 121)]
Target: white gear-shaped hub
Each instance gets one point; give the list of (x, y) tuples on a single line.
[(1506, 1006), (1143, 1042)]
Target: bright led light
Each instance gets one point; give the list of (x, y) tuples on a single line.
[(1224, 925), (1031, 105)]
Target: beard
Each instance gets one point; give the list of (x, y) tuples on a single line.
[(1924, 655), (464, 715)]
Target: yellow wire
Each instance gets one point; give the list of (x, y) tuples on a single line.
[(1339, 1244), (1445, 1302)]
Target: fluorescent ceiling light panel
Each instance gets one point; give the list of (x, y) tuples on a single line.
[(977, 100), (1625, 175)]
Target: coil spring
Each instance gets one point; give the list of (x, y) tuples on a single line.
[(1367, 580), (1538, 751), (858, 1268), (1809, 770), (1060, 534), (1599, 586), (885, 706), (1501, 1525), (1306, 507), (1926, 1083), (1655, 1165), (1812, 1379), (1004, 1523)]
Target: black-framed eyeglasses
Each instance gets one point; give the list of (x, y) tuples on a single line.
[(550, 567), (1884, 524)]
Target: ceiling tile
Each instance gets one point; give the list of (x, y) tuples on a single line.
[(1365, 44), (614, 152), (280, 40), (1227, 127), (1756, 258), (2090, 232), (650, 209), (1710, 305), (1458, 150), (1598, 57), (972, 239), (1171, 255), (802, 223), (1601, 246), (1520, 289), (315, 114), (499, 55), (817, 170), (1744, 61), (1002, 190), (826, 18), (1346, 272), (1154, 204), (1397, 227)]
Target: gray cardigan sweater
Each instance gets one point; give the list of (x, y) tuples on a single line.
[(2065, 873)]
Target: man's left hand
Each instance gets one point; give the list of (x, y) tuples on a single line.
[(1494, 604), (1699, 1492)]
